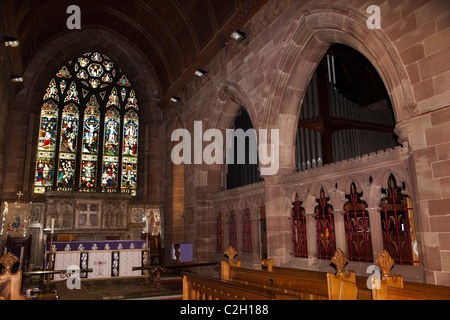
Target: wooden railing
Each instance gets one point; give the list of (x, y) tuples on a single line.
[(10, 283)]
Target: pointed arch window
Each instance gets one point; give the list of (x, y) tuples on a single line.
[(89, 129)]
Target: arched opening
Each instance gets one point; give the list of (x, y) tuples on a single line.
[(243, 152), (346, 111)]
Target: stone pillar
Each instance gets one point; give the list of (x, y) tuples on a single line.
[(254, 216), (338, 200), (372, 196), (279, 245), (309, 203)]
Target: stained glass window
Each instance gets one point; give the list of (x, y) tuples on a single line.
[(89, 129)]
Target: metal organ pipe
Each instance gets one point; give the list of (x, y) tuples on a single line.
[(346, 143)]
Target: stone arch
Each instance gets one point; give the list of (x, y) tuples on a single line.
[(359, 180), (41, 67), (318, 28), (227, 100), (69, 45)]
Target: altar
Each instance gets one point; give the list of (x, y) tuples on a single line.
[(107, 259)]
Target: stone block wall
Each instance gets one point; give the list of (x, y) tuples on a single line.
[(269, 72)]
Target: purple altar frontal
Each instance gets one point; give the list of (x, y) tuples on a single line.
[(107, 259), (97, 245)]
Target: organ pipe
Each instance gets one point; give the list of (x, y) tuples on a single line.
[(345, 143)]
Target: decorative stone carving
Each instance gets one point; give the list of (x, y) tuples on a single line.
[(114, 213), (64, 213)]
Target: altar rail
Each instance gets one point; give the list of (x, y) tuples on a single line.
[(10, 283)]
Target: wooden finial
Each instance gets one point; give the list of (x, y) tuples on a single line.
[(230, 253), (8, 261), (267, 263), (385, 263), (339, 260)]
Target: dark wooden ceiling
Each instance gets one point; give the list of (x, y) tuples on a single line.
[(177, 36)]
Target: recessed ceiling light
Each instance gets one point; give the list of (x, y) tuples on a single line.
[(200, 73), (16, 78), (10, 42), (238, 35)]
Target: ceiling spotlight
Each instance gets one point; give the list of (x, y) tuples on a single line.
[(175, 99), (16, 78), (200, 73), (238, 35), (10, 42)]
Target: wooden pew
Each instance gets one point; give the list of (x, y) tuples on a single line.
[(10, 283), (342, 285), (198, 287), (392, 287), (363, 292), (306, 285)]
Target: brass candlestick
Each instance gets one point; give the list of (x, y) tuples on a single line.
[(50, 258)]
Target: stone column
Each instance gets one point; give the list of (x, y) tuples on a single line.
[(309, 203), (338, 200), (279, 245), (372, 196)]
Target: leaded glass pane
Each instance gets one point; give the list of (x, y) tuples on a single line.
[(48, 127), (111, 136), (69, 129)]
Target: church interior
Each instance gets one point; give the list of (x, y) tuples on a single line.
[(268, 149)]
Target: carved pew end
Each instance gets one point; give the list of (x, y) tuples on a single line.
[(342, 285)]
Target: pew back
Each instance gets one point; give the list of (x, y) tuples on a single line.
[(392, 287), (305, 289), (307, 285), (198, 287)]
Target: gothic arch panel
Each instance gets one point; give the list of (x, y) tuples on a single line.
[(319, 27)]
